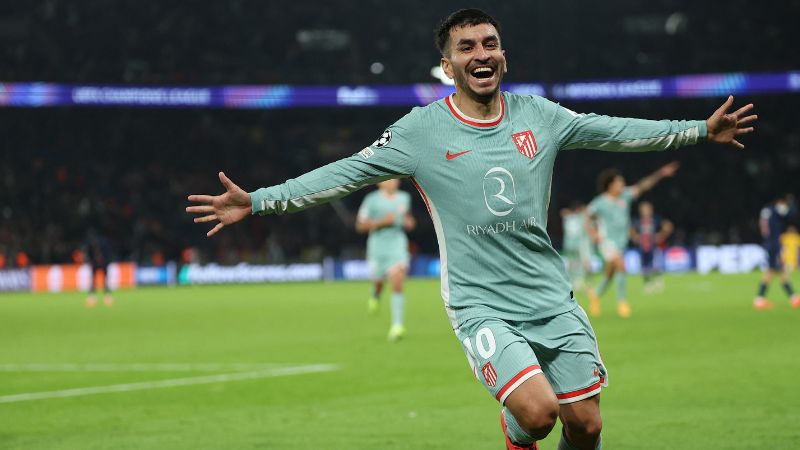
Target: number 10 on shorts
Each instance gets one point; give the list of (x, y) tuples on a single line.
[(486, 346)]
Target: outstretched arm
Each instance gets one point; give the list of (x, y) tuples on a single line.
[(648, 182), (392, 156), (573, 130)]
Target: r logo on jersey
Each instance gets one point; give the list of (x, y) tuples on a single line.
[(526, 143), (489, 374)]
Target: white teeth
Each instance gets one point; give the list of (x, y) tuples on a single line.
[(482, 69)]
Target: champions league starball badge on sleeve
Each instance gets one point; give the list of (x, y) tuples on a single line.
[(382, 141)]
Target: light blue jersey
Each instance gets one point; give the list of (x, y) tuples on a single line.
[(613, 217), (386, 246), (486, 184), (576, 238)]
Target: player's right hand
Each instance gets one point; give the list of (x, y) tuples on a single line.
[(228, 208)]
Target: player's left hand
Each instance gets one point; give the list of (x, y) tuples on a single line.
[(669, 170), (723, 128)]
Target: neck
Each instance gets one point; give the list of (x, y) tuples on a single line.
[(478, 108)]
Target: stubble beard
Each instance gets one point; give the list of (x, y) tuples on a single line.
[(462, 80)]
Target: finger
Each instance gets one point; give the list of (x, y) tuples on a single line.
[(743, 110), (208, 218), (201, 198), (748, 119), (229, 185), (725, 105), (744, 130), (200, 209), (730, 119), (212, 231), (737, 144)]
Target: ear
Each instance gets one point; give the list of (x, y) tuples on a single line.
[(447, 67), (505, 63)]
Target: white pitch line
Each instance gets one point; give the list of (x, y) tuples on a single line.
[(175, 382), (133, 367)]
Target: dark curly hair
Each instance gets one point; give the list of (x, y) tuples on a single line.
[(460, 18), (605, 178)]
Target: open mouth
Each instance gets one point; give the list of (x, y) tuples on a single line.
[(482, 73)]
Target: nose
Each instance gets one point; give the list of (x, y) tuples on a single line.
[(481, 53)]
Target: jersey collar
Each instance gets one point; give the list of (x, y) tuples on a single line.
[(482, 123)]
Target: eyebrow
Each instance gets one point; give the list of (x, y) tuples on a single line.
[(491, 37)]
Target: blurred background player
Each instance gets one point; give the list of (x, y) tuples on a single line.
[(611, 211), (386, 215), (649, 232), (774, 220), (577, 248), (790, 249), (98, 255)]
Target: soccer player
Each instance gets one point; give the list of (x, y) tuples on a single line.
[(790, 245), (577, 247), (98, 253), (483, 160), (649, 232), (386, 215), (611, 210), (774, 220)]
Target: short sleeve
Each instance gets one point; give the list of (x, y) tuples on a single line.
[(365, 211)]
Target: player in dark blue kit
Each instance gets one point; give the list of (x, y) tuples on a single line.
[(98, 253), (648, 232), (775, 217)]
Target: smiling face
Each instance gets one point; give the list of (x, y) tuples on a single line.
[(475, 60)]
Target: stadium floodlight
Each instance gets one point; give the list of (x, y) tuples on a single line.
[(376, 68)]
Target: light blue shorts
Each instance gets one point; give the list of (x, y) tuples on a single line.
[(503, 354)]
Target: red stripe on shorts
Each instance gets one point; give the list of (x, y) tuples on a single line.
[(515, 379), (581, 391)]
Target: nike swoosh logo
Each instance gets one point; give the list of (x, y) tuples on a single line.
[(450, 156)]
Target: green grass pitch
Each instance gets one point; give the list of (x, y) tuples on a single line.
[(694, 368)]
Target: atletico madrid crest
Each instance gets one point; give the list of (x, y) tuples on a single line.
[(489, 374), (526, 143)]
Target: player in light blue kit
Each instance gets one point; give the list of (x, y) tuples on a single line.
[(483, 161), (577, 248), (612, 211), (386, 215)]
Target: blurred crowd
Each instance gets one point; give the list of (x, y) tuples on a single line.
[(126, 173), (338, 41)]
